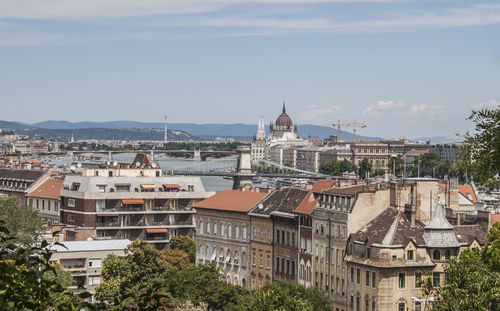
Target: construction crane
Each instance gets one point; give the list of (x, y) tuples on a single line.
[(355, 126), (338, 125)]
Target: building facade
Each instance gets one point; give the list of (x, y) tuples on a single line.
[(222, 235), (46, 199), (147, 208)]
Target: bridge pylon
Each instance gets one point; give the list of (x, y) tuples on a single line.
[(244, 174)]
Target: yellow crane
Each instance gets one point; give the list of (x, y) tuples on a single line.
[(338, 125), (355, 125)]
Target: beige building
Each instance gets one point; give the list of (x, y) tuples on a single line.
[(261, 250), (46, 199), (376, 152), (387, 257), (84, 259), (222, 234)]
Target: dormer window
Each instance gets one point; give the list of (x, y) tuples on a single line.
[(368, 252), (409, 255), (447, 254), (436, 255)]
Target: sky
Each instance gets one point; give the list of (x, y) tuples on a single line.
[(402, 67)]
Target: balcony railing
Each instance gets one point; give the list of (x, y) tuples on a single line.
[(107, 224)]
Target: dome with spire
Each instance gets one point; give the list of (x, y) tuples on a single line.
[(284, 121)]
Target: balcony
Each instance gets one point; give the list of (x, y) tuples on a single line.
[(108, 224)]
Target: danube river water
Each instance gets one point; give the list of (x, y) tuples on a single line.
[(211, 183)]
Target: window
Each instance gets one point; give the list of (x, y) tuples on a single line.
[(409, 255), (215, 229), (253, 258), (368, 252), (94, 280), (358, 276), (95, 262), (75, 186), (293, 268), (244, 233), (374, 279), (201, 227), (418, 279), (222, 230), (418, 306), (110, 173), (277, 236), (447, 254), (436, 255), (237, 233), (261, 260), (402, 281), (282, 264), (288, 266), (277, 264), (373, 305), (268, 261), (352, 274), (100, 205), (436, 279), (190, 188), (71, 202), (122, 188), (367, 276), (101, 188), (229, 231), (401, 306)]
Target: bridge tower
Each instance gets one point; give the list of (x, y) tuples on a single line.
[(197, 155), (244, 175)]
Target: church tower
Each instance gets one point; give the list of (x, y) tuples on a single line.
[(261, 131)]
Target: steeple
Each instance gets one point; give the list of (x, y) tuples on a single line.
[(261, 131), (284, 109)]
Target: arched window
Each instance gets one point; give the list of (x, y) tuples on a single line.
[(215, 229), (237, 233), (221, 255), (244, 233), (236, 280), (222, 230), (236, 258), (447, 254), (214, 254), (229, 278), (228, 256), (229, 233), (201, 227), (207, 252), (436, 255), (208, 227), (201, 250)]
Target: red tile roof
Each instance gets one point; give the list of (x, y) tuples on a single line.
[(307, 205), (467, 189), (231, 200), (49, 189)]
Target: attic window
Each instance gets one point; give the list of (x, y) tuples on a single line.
[(394, 257), (409, 255), (469, 196)]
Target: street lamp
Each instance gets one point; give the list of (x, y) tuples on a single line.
[(422, 300)]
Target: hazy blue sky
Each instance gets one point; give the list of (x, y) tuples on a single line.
[(412, 68)]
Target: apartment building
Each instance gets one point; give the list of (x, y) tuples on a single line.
[(83, 259), (222, 235), (46, 199), (140, 207), (18, 183), (376, 152), (387, 258)]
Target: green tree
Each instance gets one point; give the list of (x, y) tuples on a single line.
[(282, 296), (337, 167), (175, 258), (185, 244), (21, 220), (365, 167), (480, 151), (472, 279), (29, 281)]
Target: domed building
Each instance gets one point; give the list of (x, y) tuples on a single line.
[(282, 125)]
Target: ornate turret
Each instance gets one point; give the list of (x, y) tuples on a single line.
[(439, 232)]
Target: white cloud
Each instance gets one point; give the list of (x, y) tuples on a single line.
[(490, 104), (401, 109), (317, 114)]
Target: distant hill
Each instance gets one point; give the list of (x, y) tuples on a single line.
[(238, 130)]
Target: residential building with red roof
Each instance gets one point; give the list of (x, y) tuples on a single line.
[(223, 234), (46, 199)]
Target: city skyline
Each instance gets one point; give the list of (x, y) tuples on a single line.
[(406, 67)]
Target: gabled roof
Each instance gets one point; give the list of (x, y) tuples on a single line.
[(391, 227), (49, 189), (231, 200), (350, 190), (466, 191), (284, 200), (466, 234), (307, 205)]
